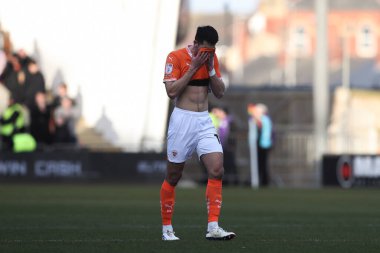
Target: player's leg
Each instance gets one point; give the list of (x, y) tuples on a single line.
[(210, 152), (181, 145), (167, 197), (214, 165)]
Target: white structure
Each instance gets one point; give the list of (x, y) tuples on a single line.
[(112, 51)]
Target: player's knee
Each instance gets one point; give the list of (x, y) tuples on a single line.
[(216, 172), (173, 178)]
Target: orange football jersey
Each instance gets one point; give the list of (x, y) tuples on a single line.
[(178, 63)]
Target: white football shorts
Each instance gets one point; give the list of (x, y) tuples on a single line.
[(188, 132)]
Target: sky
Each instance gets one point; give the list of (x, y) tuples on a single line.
[(215, 6)]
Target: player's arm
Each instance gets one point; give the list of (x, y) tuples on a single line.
[(217, 86), (216, 83), (175, 88), (13, 118)]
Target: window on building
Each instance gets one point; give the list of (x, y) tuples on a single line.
[(366, 42), (300, 41)]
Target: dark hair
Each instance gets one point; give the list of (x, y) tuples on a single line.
[(208, 34), (64, 85), (225, 109), (32, 61)]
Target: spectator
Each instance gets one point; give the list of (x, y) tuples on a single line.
[(11, 123), (65, 118), (61, 93), (23, 58), (213, 112), (223, 122), (34, 83), (41, 120), (262, 128), (228, 143), (14, 79)]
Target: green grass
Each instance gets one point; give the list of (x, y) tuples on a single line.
[(117, 218)]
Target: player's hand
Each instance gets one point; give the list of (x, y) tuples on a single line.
[(210, 62), (199, 60)]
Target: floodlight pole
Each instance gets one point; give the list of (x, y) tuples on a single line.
[(321, 84)]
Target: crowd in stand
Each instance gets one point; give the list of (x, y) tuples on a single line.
[(47, 118)]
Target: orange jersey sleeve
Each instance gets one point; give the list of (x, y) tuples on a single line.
[(172, 68), (178, 63)]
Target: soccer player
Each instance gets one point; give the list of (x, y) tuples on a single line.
[(190, 74)]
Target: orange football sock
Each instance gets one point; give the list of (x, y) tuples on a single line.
[(214, 199), (167, 196)]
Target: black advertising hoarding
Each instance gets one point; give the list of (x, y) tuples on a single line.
[(350, 171), (82, 166)]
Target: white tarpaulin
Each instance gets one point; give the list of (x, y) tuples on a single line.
[(111, 51)]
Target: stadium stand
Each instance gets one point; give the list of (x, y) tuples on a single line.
[(21, 78)]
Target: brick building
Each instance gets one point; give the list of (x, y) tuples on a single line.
[(279, 40)]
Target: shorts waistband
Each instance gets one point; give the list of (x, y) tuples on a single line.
[(197, 114)]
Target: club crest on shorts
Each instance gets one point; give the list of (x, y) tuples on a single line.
[(168, 68)]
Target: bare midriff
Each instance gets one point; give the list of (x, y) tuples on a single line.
[(193, 98)]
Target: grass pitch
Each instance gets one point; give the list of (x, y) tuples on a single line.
[(120, 218)]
